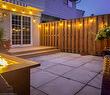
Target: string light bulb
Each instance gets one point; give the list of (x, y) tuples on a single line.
[(61, 24), (23, 12), (91, 20), (13, 9), (34, 20), (69, 25), (46, 28), (80, 24), (4, 6), (52, 27), (39, 26), (30, 12)]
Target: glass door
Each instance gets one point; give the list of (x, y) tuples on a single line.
[(21, 30)]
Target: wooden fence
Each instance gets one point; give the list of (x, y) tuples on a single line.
[(76, 35)]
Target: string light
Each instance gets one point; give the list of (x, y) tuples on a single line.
[(91, 20), (30, 12), (34, 20), (61, 24), (4, 6), (80, 24), (46, 28), (39, 26), (69, 25), (23, 12), (13, 9), (52, 27)]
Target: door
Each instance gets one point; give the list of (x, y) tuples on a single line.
[(21, 30)]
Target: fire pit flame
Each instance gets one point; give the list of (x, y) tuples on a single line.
[(3, 62)]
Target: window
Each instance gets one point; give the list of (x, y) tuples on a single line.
[(69, 3), (21, 30)]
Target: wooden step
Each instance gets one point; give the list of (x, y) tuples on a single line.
[(37, 53), (17, 51)]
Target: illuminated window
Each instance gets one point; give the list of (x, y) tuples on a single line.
[(21, 30)]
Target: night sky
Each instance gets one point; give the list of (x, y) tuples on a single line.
[(95, 7)]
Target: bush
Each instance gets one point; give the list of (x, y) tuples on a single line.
[(103, 34)]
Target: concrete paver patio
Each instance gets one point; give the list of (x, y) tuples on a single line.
[(67, 74)]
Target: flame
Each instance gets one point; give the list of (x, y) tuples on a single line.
[(3, 62)]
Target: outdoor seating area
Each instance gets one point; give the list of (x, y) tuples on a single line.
[(54, 47), (67, 74)]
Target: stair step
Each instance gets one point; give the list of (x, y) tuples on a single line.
[(30, 50), (37, 53)]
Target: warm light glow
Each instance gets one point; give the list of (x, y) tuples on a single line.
[(23, 12), (52, 27), (69, 25), (4, 6), (61, 24), (46, 28), (3, 62), (14, 9), (34, 20), (30, 12), (80, 24), (39, 26), (91, 20)]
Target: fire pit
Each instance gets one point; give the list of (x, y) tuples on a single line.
[(16, 72)]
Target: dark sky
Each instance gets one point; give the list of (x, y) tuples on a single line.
[(95, 7)]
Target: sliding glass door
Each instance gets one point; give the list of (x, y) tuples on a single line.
[(21, 30)]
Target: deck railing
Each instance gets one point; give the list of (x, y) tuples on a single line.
[(76, 35)]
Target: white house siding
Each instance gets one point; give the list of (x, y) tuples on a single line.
[(5, 23), (57, 8)]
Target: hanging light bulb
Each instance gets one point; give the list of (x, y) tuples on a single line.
[(23, 12), (13, 9), (91, 20), (34, 20), (61, 24), (69, 25), (39, 26), (4, 6), (30, 12)]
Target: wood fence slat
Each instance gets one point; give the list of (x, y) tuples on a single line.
[(77, 35)]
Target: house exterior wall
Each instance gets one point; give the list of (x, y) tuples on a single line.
[(5, 23), (57, 8)]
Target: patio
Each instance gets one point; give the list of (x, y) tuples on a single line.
[(67, 74)]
